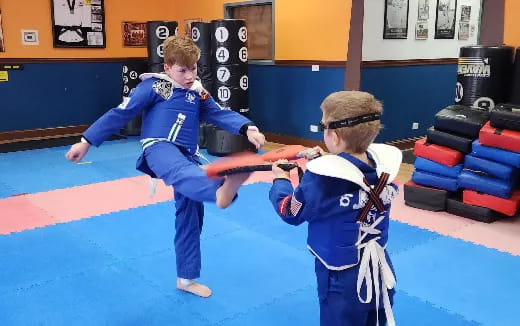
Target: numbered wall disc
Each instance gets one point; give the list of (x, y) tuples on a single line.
[(201, 35), (233, 98), (229, 41), (131, 72), (157, 32), (232, 75), (484, 75)]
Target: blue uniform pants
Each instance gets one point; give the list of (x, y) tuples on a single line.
[(339, 303), (191, 188)]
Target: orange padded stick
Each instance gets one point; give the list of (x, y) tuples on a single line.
[(249, 163)]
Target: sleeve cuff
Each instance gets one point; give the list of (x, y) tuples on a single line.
[(243, 130), (85, 140)]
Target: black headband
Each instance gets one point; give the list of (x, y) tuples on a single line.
[(349, 122)]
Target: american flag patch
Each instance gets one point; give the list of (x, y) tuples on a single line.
[(295, 206), (282, 208)]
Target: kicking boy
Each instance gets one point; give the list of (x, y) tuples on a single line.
[(172, 103)]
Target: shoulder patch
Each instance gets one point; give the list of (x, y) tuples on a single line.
[(204, 95), (164, 88), (295, 206)]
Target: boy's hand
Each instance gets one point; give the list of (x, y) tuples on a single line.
[(312, 153), (278, 172), (256, 138), (77, 151)]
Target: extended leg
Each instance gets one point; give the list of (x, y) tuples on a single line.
[(189, 217)]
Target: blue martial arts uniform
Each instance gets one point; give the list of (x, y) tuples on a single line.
[(169, 136), (329, 198)]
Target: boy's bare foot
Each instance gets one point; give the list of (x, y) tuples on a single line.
[(193, 287), (226, 193)]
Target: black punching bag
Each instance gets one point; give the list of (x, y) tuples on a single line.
[(515, 91), (484, 76), (230, 61), (230, 82), (131, 72), (201, 35), (157, 31)]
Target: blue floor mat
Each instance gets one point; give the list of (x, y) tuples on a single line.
[(119, 268), (463, 278), (47, 169)]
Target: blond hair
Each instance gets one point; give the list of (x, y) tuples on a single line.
[(180, 50), (349, 104)]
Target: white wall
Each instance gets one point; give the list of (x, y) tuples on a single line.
[(377, 48)]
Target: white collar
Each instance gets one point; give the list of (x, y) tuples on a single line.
[(387, 158)]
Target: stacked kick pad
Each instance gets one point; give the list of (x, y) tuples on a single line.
[(422, 197), (457, 207), (457, 126), (436, 171), (505, 116), (437, 153), (433, 174), (500, 138)]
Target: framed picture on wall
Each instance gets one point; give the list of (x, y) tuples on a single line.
[(396, 19), (78, 23), (465, 13), (187, 25), (463, 31), (445, 22), (134, 34), (423, 11), (2, 46), (421, 31)]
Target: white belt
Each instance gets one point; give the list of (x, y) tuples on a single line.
[(374, 254), (147, 142)]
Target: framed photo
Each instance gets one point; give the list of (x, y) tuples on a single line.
[(396, 19), (445, 22), (465, 13), (463, 31), (187, 25), (2, 46), (421, 31), (78, 23), (134, 34), (423, 11)]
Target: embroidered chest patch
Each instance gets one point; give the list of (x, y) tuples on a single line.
[(163, 88)]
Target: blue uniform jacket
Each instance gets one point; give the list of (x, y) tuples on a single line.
[(169, 112), (331, 207)]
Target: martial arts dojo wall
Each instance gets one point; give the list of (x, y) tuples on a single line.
[(512, 23), (284, 95), (63, 86), (304, 30), (411, 93)]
